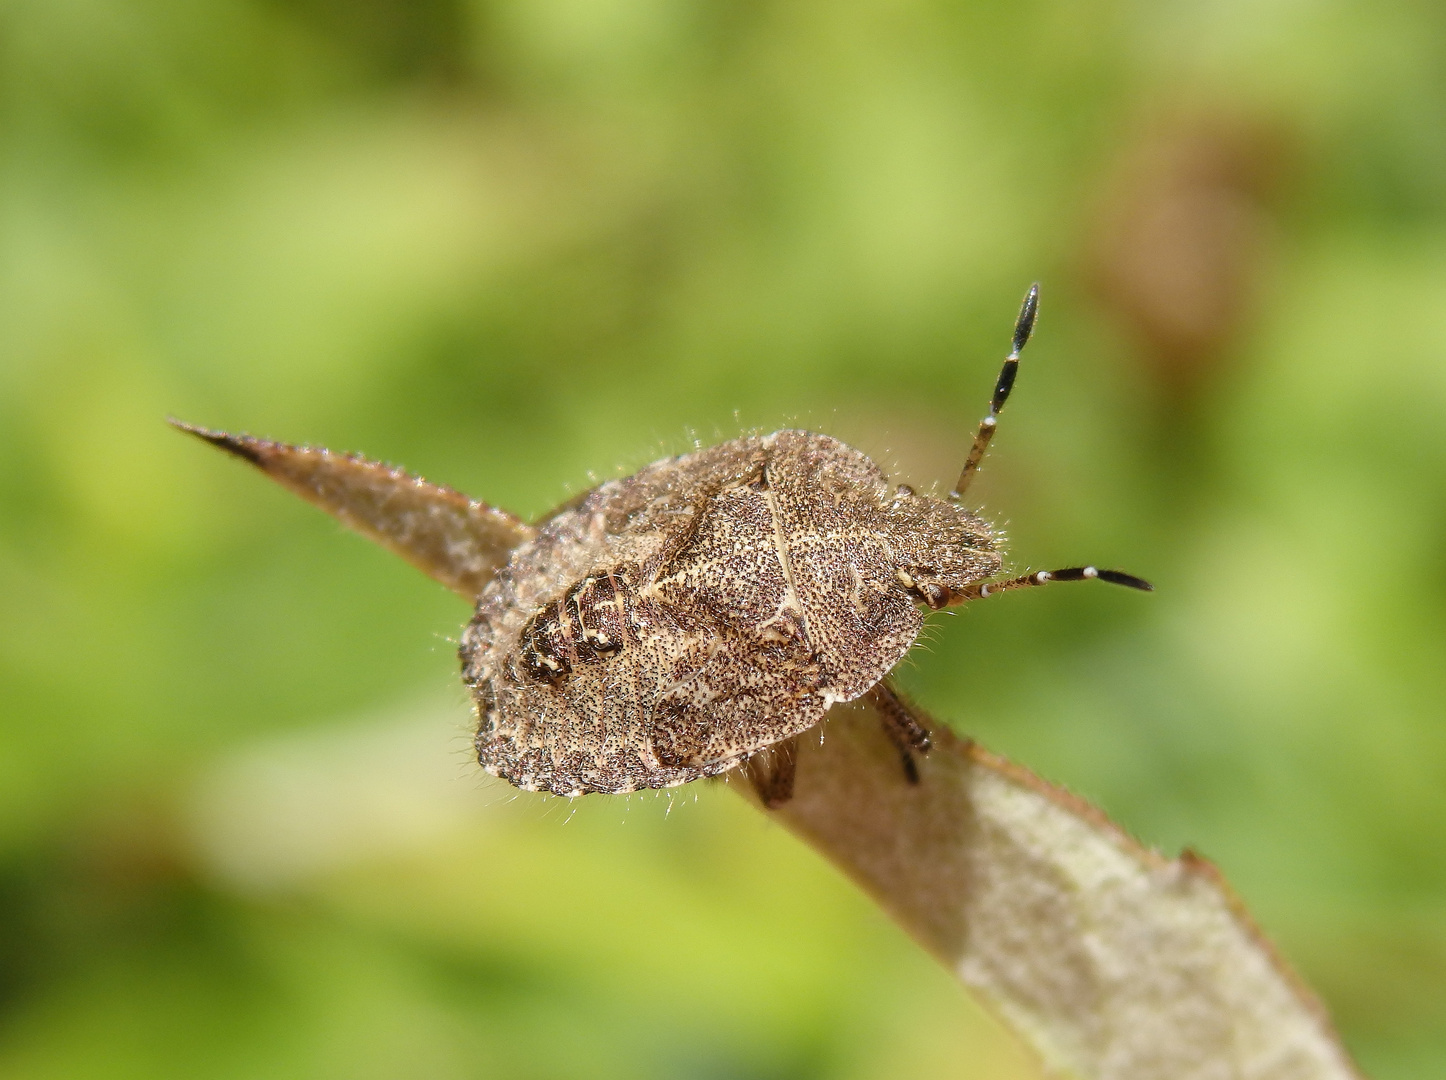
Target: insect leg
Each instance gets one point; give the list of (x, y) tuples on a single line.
[(1046, 577), (771, 771), (902, 725), (1023, 327)]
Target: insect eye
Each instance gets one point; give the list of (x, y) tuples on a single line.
[(931, 593), (935, 595)]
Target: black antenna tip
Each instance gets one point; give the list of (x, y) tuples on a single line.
[(1024, 325), (1129, 581)]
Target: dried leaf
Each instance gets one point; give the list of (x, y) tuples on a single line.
[(1111, 960), (456, 540)]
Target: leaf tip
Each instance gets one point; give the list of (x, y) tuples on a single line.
[(243, 446)]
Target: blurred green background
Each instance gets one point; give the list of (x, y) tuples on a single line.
[(518, 244)]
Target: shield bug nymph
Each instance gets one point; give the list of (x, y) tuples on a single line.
[(673, 624)]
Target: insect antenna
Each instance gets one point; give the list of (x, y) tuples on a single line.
[(1048, 577), (1023, 327)]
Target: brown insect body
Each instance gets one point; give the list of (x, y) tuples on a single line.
[(673, 624), (670, 624)]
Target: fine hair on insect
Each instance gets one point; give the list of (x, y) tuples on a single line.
[(692, 618)]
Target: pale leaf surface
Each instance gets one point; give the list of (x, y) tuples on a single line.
[(1111, 960)]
